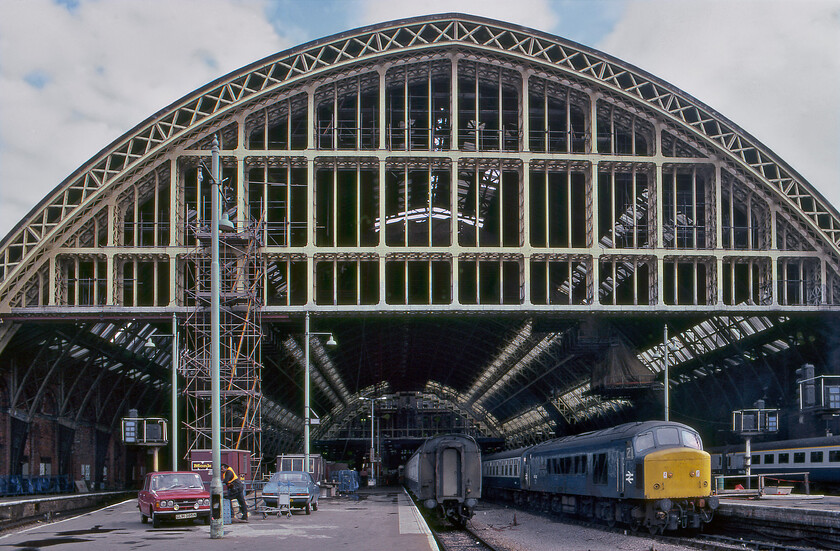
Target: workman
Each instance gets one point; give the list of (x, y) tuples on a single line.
[(235, 489)]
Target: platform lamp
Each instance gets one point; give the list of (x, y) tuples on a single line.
[(150, 344), (307, 410)]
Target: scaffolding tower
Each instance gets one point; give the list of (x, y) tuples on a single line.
[(240, 332)]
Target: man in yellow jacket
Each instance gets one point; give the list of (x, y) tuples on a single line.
[(235, 490)]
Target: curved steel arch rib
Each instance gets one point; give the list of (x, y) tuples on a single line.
[(23, 250)]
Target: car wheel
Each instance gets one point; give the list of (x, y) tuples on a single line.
[(143, 518), (307, 509), (155, 521)]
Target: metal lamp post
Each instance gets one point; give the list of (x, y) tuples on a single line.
[(306, 408), (216, 518)]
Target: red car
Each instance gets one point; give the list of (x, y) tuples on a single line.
[(173, 495)]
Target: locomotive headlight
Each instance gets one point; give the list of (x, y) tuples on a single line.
[(470, 502), (430, 504)]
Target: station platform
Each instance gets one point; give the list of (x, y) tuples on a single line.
[(785, 516), (376, 519)]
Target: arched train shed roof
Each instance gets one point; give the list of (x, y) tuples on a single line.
[(520, 367)]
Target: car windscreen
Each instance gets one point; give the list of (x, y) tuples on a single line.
[(177, 481), (289, 477)]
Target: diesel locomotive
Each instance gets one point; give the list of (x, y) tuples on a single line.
[(444, 475), (651, 474)]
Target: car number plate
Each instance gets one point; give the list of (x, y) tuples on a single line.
[(185, 515)]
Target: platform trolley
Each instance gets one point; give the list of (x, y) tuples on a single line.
[(284, 504)]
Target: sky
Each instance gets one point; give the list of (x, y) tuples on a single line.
[(77, 74)]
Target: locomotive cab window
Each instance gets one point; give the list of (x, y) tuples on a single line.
[(667, 436), (644, 442), (691, 439)]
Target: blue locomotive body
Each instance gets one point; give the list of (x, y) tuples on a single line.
[(652, 474)]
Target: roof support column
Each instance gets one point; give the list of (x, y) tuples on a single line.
[(592, 238), (381, 123), (174, 197), (718, 208), (382, 228), (823, 282), (660, 268), (52, 278), (593, 122), (310, 223), (774, 260), (310, 119), (453, 93), (526, 111), (525, 242)]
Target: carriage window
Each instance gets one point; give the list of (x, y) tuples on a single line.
[(816, 457), (599, 468), (799, 457), (768, 458), (667, 436), (784, 458), (755, 459), (566, 465), (834, 456), (691, 440), (644, 442)]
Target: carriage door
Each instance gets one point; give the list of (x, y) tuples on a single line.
[(526, 468), (450, 480)]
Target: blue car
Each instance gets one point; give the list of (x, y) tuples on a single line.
[(302, 490)]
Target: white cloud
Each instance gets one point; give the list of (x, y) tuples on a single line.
[(770, 66), (98, 70), (537, 14)]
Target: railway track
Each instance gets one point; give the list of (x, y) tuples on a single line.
[(451, 538), (719, 537)]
